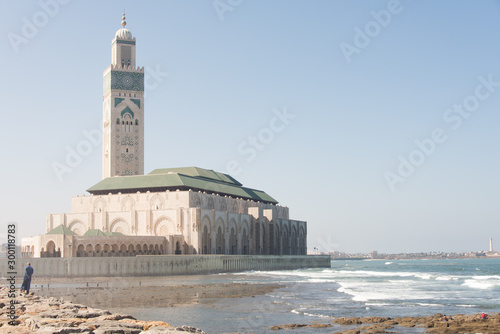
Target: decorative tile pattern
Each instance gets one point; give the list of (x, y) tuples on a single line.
[(127, 157), (127, 141), (137, 102), (120, 41), (123, 80), (118, 100), (127, 110)]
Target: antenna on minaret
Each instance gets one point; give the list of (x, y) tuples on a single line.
[(124, 23)]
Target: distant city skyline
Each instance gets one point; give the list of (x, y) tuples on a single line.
[(374, 121)]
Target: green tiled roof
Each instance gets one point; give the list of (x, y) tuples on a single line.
[(97, 232), (113, 233), (61, 229), (194, 178), (93, 232), (198, 172)]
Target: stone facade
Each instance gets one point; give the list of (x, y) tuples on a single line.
[(191, 222)]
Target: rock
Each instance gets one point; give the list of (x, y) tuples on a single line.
[(189, 329), (350, 331), (32, 324), (117, 330), (377, 328), (320, 325), (91, 313), (117, 316), (64, 330), (150, 324), (58, 314), (348, 321), (111, 323), (162, 330), (288, 326)]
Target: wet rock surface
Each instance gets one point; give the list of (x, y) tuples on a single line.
[(35, 314), (457, 324)]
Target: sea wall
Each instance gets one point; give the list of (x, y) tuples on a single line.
[(162, 265)]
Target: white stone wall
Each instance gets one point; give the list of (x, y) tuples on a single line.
[(233, 226), (163, 265)]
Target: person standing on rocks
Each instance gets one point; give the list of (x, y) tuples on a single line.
[(28, 272)]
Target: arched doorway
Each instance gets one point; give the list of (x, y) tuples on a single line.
[(244, 242), (205, 241), (51, 250), (219, 240), (233, 246)]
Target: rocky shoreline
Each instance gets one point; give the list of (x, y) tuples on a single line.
[(36, 314), (62, 313), (457, 324)]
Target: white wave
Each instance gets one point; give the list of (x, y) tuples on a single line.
[(379, 291), (316, 315), (447, 278), (389, 262), (334, 275), (319, 280), (481, 284), (423, 276), (378, 304), (429, 304), (468, 305), (486, 277)]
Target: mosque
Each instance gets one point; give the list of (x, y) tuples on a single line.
[(186, 210)]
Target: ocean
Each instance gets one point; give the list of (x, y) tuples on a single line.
[(351, 288)]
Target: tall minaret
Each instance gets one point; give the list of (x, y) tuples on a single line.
[(123, 109)]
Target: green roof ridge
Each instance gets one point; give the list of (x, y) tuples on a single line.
[(94, 232), (197, 179), (197, 172), (61, 229)]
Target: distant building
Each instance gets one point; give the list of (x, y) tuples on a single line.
[(168, 211)]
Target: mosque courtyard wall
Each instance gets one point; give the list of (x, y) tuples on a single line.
[(164, 265)]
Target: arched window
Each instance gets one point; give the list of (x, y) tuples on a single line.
[(136, 122), (117, 121)]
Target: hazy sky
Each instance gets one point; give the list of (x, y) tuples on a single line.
[(375, 121)]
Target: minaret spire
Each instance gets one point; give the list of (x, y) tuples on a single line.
[(123, 109)]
